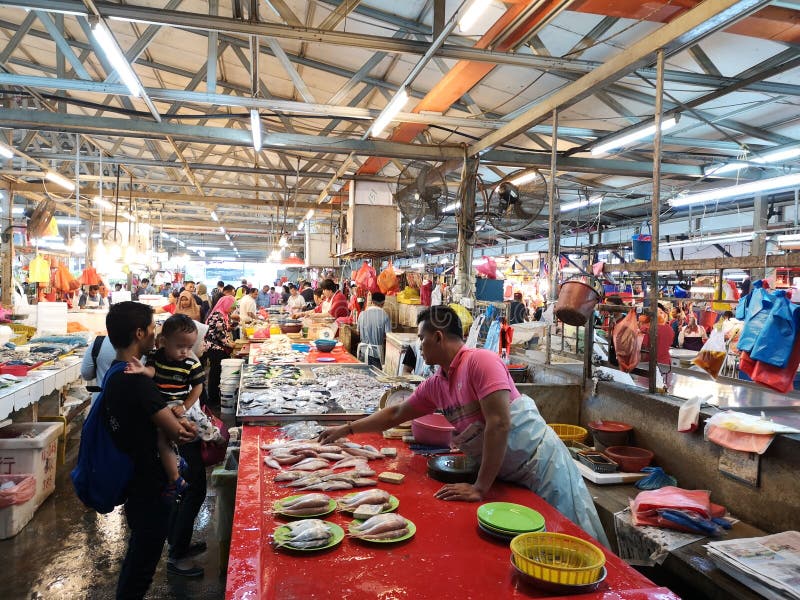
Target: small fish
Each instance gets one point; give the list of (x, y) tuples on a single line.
[(353, 462), (272, 463), (363, 482), (329, 486), (286, 459), (386, 535), (364, 453), (306, 501), (376, 496), (311, 464), (303, 482), (379, 524), (332, 455)]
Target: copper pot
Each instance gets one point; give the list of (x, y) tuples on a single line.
[(576, 302)]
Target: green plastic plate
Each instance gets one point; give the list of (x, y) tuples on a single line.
[(506, 531), (283, 532), (412, 529), (278, 508), (510, 517)]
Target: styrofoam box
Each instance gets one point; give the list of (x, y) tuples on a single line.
[(13, 518), (37, 454)]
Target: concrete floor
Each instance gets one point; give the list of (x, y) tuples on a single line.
[(69, 552)]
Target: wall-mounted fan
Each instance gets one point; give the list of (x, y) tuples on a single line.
[(421, 195), (511, 208), (40, 217)]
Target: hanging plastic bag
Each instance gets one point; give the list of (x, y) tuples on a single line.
[(488, 268), (627, 342), (712, 355), (367, 278), (779, 379), (409, 295), (474, 332), (776, 340), (39, 270), (689, 415), (464, 316), (493, 337), (436, 295), (425, 292), (388, 282), (756, 315)]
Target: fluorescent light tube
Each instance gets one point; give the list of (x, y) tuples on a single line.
[(102, 202), (255, 129), (227, 237), (452, 207), (181, 244), (711, 239), (778, 156), (472, 14), (214, 216), (411, 245), (633, 136), (5, 151), (433, 240), (117, 59), (524, 178), (790, 241), (390, 112), (205, 248), (59, 179), (309, 214), (733, 191), (581, 203), (719, 169)]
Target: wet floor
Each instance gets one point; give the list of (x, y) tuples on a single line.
[(68, 552)]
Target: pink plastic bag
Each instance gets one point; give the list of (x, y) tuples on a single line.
[(646, 504), (367, 278), (628, 342), (23, 490), (488, 268)]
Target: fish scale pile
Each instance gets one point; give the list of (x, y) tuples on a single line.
[(306, 465), (282, 390), (352, 389)]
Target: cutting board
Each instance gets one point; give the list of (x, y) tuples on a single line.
[(608, 478)]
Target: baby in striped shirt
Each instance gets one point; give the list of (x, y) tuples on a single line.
[(179, 377)]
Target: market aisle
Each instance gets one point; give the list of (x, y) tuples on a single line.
[(68, 552)]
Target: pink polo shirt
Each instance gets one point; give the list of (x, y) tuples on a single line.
[(473, 375)]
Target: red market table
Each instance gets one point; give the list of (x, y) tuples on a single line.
[(448, 557), (338, 354)]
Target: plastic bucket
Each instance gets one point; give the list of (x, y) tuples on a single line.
[(576, 302), (642, 246)]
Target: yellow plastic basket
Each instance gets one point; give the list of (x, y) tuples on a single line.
[(22, 333), (569, 433), (558, 558)]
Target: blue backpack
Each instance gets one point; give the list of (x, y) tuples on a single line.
[(103, 471)]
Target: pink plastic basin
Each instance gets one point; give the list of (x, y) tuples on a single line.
[(432, 430)]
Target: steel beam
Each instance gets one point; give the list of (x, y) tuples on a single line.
[(709, 264), (287, 65), (685, 30), (62, 45), (203, 22)]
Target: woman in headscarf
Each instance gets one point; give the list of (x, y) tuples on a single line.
[(218, 344), (187, 306), (205, 300)]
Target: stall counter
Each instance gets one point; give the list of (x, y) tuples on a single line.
[(448, 557)]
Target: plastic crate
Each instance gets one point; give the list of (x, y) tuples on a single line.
[(572, 433), (31, 448)]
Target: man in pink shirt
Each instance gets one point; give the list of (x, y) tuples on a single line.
[(495, 424)]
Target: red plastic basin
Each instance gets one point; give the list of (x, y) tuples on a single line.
[(630, 458), (432, 430), (610, 433)]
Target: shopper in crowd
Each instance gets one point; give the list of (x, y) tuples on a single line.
[(517, 311), (103, 291), (134, 411), (296, 302), (91, 298), (373, 325), (95, 363), (692, 336), (284, 291), (143, 289), (676, 323), (495, 425), (275, 298), (263, 298), (248, 307), (171, 305), (307, 293), (316, 309), (216, 293), (187, 305), (337, 302), (242, 289), (218, 344), (179, 376), (166, 289), (663, 338), (205, 299)]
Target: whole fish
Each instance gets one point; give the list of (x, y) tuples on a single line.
[(304, 512), (333, 455), (364, 453), (303, 482), (386, 535), (272, 463), (329, 486), (363, 482), (379, 524), (286, 459), (352, 462), (292, 475), (311, 464), (298, 526), (376, 496), (305, 501)]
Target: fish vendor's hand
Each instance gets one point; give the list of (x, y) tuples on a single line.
[(465, 492), (331, 434)]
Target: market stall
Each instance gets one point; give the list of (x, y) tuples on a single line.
[(447, 557)]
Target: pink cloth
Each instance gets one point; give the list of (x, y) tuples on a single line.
[(339, 305), (223, 306), (474, 374)]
